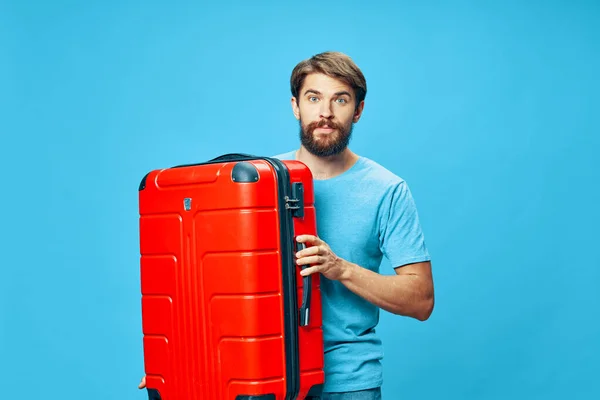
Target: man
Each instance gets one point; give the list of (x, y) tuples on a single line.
[(364, 212)]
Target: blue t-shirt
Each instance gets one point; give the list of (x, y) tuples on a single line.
[(363, 214)]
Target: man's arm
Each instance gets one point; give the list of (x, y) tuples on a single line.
[(408, 293)]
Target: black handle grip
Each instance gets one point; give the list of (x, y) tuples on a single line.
[(222, 158), (234, 156), (306, 293)]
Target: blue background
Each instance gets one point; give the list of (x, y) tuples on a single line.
[(489, 110)]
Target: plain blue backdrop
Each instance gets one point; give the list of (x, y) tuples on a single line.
[(489, 110)]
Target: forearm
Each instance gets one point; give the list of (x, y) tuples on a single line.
[(408, 294)]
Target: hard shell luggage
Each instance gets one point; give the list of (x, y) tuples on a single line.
[(225, 312)]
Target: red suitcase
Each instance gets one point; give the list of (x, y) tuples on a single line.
[(224, 307)]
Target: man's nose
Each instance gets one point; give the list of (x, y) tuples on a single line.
[(326, 110)]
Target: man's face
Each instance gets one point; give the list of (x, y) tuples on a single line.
[(326, 109)]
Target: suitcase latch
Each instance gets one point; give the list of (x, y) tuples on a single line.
[(295, 203)]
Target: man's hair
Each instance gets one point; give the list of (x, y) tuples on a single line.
[(334, 64)]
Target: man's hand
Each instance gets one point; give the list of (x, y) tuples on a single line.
[(409, 292), (142, 383), (321, 258)]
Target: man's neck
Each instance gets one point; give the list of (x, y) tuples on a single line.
[(327, 167)]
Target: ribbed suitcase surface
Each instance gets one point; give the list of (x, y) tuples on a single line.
[(223, 304)]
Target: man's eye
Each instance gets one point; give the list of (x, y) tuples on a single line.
[(312, 98), (341, 100)]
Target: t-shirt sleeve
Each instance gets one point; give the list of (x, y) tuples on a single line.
[(401, 237)]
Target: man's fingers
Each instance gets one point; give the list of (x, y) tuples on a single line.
[(309, 271), (314, 240), (142, 383), (310, 260), (310, 251)]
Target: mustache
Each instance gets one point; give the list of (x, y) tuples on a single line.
[(319, 124)]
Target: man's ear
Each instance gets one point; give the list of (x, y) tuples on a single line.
[(295, 108), (358, 112)]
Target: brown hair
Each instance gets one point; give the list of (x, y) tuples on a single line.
[(334, 64)]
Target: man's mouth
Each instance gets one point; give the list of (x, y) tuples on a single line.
[(325, 127), (322, 127)]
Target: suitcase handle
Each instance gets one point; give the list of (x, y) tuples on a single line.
[(234, 156), (306, 293)]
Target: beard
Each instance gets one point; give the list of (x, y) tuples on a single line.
[(328, 144)]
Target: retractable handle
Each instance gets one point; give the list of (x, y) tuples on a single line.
[(304, 312)]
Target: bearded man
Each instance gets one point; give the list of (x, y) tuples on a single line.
[(364, 213)]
